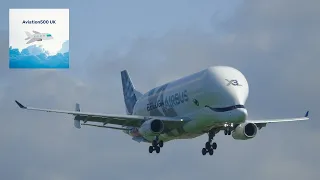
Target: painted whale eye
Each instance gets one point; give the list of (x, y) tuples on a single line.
[(196, 102)]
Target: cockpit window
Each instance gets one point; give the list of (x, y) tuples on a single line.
[(48, 35)]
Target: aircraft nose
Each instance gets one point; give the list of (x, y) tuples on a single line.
[(239, 114)]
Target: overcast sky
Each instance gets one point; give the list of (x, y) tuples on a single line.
[(274, 43)]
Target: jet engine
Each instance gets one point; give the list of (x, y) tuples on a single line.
[(151, 127), (245, 131)]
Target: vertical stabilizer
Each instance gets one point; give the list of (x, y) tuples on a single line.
[(129, 94), (76, 120), (29, 35)]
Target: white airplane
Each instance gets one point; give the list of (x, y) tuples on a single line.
[(208, 101), (37, 36)]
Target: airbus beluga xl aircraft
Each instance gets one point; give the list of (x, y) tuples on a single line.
[(206, 102)]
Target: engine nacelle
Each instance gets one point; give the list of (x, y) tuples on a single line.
[(245, 131), (151, 127)]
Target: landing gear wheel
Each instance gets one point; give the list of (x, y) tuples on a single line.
[(156, 145), (157, 149), (214, 145), (150, 149), (161, 143), (204, 151), (211, 152), (227, 132), (208, 147)]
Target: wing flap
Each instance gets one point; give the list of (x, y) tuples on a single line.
[(108, 127)]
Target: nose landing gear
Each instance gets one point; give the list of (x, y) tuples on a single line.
[(209, 148), (156, 145), (228, 129), (227, 132)]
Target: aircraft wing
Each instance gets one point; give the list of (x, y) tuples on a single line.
[(262, 123), (123, 120), (36, 32), (32, 40)]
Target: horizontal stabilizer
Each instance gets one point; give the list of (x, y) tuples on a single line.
[(110, 127)]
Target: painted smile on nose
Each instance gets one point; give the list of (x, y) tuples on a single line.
[(224, 109), (239, 111)]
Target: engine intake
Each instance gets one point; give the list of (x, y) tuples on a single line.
[(245, 131), (151, 127), (156, 126)]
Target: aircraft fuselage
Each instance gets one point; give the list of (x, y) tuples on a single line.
[(211, 97)]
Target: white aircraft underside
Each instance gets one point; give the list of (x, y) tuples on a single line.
[(205, 102)]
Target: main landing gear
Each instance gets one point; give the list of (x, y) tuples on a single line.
[(209, 148), (156, 145)]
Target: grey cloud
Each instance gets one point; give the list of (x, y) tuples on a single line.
[(273, 44)]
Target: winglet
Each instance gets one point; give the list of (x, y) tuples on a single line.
[(20, 105), (307, 114)]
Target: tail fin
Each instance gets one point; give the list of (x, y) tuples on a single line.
[(137, 93), (28, 34), (129, 93), (76, 120)]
